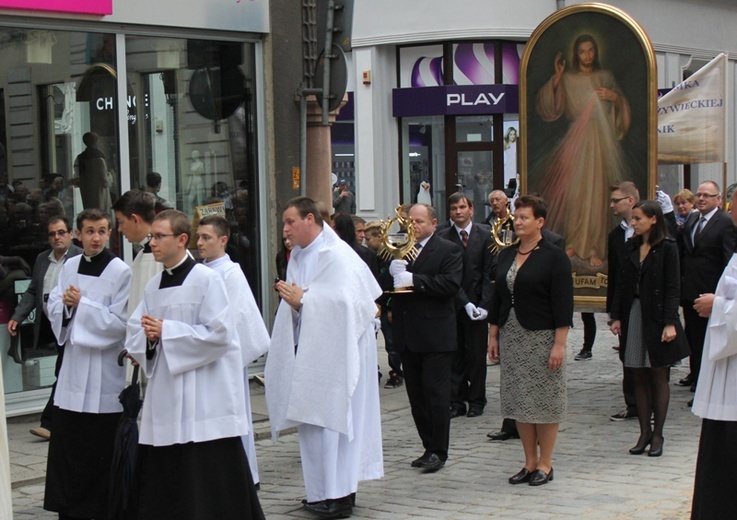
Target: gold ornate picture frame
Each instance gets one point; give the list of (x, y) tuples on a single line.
[(587, 123)]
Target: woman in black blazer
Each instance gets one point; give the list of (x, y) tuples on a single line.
[(645, 311), (531, 312)]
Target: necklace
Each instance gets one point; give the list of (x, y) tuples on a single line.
[(528, 252)]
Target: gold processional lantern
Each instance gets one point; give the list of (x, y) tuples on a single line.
[(398, 242), (502, 233)]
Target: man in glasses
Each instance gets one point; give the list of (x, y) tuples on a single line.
[(45, 275), (193, 464), (707, 241)]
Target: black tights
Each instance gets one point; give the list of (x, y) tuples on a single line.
[(652, 394)]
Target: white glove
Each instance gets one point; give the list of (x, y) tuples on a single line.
[(482, 314), (397, 266), (403, 279), (664, 200), (471, 310), (377, 325)]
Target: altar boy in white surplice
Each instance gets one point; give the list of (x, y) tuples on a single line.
[(251, 334), (192, 464), (87, 311), (321, 368)]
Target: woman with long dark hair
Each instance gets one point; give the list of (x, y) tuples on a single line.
[(645, 311)]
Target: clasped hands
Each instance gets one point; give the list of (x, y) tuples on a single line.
[(475, 313), (152, 327), (72, 296)]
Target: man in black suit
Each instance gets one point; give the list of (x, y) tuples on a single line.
[(45, 275), (468, 372), (623, 198), (424, 326), (707, 241)]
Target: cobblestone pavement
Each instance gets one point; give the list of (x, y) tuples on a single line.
[(595, 477)]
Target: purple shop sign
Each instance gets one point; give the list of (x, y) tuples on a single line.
[(455, 100)]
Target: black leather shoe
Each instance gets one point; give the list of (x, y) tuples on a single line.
[(686, 381), (655, 450), (328, 509), (432, 463), (539, 477), (690, 403), (418, 462), (455, 412), (502, 436), (475, 412), (521, 477), (639, 449)]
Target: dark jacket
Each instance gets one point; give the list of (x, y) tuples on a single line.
[(476, 284), (543, 289), (425, 319), (658, 283), (33, 298), (704, 261)]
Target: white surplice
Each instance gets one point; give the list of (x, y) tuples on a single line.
[(716, 393), (251, 336), (195, 388), (329, 387), (90, 379), (144, 268)]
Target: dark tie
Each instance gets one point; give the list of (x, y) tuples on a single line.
[(464, 237), (699, 229)]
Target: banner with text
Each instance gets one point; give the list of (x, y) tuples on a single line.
[(692, 118)]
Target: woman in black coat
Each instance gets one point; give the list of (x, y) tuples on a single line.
[(645, 312)]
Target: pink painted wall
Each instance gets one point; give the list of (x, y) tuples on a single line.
[(62, 6)]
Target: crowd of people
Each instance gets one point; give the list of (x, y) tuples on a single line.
[(193, 328)]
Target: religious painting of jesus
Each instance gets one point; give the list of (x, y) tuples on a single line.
[(588, 120)]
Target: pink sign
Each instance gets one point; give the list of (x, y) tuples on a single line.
[(62, 6)]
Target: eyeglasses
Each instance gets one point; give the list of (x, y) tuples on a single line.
[(54, 234), (620, 199), (159, 236), (706, 195)]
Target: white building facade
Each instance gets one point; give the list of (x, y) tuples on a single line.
[(439, 101)]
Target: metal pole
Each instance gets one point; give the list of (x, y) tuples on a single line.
[(303, 143), (327, 57)]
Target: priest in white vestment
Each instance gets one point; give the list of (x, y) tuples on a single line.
[(251, 335), (715, 400), (192, 463), (87, 311), (321, 368), (134, 214)]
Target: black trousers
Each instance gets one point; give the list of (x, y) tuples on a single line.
[(695, 333), (714, 495), (427, 379), (589, 329), (395, 359), (468, 375)]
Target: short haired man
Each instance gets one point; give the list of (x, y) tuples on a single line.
[(707, 240), (499, 203), (623, 197), (212, 235), (321, 368), (87, 311), (153, 186), (360, 225), (424, 326), (45, 276), (472, 302), (193, 464)]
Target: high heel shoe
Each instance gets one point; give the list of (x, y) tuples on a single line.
[(656, 452), (639, 449)]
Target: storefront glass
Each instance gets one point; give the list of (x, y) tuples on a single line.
[(190, 119)]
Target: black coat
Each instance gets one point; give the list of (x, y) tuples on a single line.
[(543, 289), (425, 320), (658, 283), (476, 283)]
